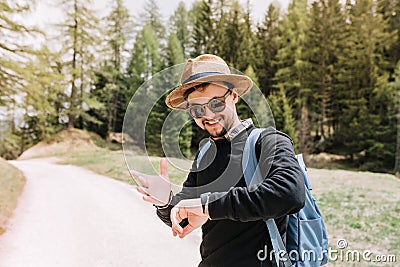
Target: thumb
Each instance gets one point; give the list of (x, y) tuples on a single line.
[(187, 230), (163, 168)]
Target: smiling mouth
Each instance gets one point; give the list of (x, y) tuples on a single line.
[(212, 122)]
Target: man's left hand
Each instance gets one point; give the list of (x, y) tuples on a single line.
[(193, 211), (154, 189)]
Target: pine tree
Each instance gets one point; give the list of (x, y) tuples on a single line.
[(291, 64), (282, 111), (361, 131), (289, 58), (201, 37), (119, 29), (324, 39), (396, 87), (136, 72), (180, 27), (111, 88), (176, 129), (248, 44), (146, 61), (80, 37), (234, 37), (44, 95), (158, 113), (30, 81), (266, 49), (13, 49), (390, 10), (243, 109), (152, 16), (175, 54), (228, 33)]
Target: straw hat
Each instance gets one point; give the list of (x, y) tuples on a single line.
[(206, 68)]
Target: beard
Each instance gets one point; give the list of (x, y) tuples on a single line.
[(215, 133)]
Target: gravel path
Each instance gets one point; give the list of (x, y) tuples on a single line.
[(69, 216)]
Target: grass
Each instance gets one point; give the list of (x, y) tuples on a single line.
[(12, 183), (108, 163), (112, 164), (361, 207)]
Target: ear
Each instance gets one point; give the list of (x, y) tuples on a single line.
[(235, 96)]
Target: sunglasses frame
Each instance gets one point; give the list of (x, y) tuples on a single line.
[(220, 98)]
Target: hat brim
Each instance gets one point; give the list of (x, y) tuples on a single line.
[(241, 83)]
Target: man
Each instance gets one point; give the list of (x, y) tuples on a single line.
[(215, 195)]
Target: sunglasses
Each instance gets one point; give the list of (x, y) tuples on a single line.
[(216, 104)]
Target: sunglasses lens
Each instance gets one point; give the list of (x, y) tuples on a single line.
[(197, 111), (216, 105)]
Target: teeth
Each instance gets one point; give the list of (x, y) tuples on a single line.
[(211, 122)]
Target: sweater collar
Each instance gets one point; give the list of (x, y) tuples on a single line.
[(232, 133)]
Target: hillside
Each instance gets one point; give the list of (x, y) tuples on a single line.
[(66, 141)]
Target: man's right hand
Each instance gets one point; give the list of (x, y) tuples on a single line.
[(192, 211), (154, 189)]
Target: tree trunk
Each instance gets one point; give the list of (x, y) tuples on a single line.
[(304, 132), (72, 102), (397, 158)]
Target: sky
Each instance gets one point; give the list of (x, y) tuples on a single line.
[(47, 11)]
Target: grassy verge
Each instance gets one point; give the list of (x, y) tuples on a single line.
[(12, 182), (112, 164), (105, 162), (361, 207)]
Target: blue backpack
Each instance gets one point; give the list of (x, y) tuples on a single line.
[(306, 237)]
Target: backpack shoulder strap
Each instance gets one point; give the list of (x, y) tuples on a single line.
[(202, 151), (303, 168), (252, 175), (251, 171)]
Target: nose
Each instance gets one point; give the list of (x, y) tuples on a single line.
[(208, 113)]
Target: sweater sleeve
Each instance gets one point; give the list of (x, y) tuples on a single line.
[(186, 193), (282, 191)]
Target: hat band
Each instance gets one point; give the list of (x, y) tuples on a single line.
[(200, 75)]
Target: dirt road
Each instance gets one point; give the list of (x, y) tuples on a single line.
[(68, 216)]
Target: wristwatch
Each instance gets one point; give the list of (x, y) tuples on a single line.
[(204, 201)]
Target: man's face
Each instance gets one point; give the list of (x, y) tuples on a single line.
[(216, 124)]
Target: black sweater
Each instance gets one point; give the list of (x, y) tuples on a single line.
[(237, 229)]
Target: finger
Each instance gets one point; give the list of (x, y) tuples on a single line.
[(174, 233), (179, 218), (163, 168), (187, 230), (182, 213), (152, 200), (174, 220), (140, 177), (143, 181), (142, 191)]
